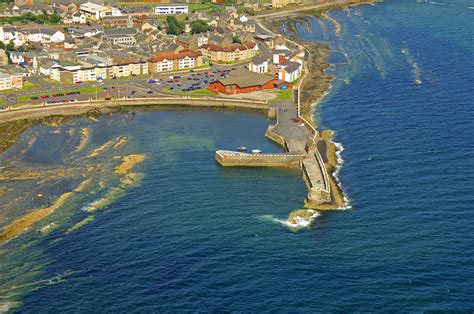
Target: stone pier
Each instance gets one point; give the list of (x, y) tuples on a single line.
[(299, 140)]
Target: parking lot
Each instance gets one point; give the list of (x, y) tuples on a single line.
[(188, 82), (132, 87)]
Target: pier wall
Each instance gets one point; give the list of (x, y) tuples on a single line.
[(38, 111), (235, 159)]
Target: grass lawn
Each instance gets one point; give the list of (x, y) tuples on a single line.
[(286, 94), (2, 102), (199, 6), (194, 92), (55, 82), (84, 90)]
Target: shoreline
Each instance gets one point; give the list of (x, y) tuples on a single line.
[(315, 84)]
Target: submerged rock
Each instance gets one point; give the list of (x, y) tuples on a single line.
[(302, 218)]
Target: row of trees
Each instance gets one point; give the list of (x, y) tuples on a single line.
[(44, 18), (176, 27)]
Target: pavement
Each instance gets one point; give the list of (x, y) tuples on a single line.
[(294, 131), (132, 86), (290, 11), (297, 135)]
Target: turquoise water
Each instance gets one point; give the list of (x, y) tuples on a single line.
[(193, 236)]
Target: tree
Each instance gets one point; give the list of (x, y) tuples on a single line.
[(236, 40), (55, 17), (10, 46), (200, 26), (174, 26)]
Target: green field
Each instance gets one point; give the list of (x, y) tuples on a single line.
[(199, 6), (194, 92), (286, 94), (84, 90)]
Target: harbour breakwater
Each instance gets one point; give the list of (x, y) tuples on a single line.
[(298, 140)]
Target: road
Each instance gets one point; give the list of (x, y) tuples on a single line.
[(287, 12)]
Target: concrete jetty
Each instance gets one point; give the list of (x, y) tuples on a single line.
[(299, 139), (228, 158)]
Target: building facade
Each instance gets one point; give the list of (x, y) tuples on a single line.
[(173, 61), (171, 9), (9, 81), (232, 53)]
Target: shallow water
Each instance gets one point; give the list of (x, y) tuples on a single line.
[(194, 236)]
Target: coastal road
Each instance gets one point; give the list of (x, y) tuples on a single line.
[(287, 12)]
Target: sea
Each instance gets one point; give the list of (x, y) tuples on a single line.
[(189, 235)]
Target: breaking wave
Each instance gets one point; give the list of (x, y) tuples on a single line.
[(299, 223)]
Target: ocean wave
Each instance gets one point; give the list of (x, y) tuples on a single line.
[(299, 223), (340, 161)]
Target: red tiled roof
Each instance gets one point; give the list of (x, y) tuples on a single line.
[(175, 55)]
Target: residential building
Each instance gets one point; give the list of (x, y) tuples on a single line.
[(258, 65), (17, 57), (173, 61), (72, 73), (171, 9), (45, 35), (120, 40), (9, 81), (232, 53), (290, 71)]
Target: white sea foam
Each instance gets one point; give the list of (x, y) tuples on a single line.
[(335, 174), (300, 222)]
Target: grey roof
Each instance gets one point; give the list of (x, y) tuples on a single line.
[(244, 78), (292, 66), (258, 60), (120, 31)]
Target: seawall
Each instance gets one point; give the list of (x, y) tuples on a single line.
[(236, 159), (39, 111)]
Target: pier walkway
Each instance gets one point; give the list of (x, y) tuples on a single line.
[(299, 140)]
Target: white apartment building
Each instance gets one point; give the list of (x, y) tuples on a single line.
[(164, 65), (258, 65), (171, 9), (77, 73), (290, 71), (186, 62), (9, 81)]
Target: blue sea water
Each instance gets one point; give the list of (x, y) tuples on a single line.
[(194, 236)]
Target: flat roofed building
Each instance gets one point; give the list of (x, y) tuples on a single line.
[(171, 9), (95, 11)]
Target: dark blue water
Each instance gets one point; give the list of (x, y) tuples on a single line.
[(194, 236)]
